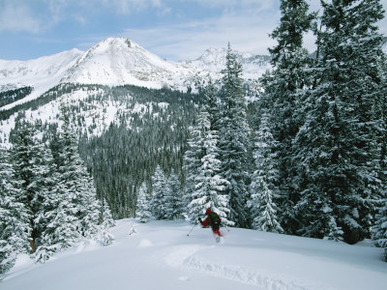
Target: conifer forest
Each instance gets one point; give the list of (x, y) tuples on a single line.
[(305, 156)]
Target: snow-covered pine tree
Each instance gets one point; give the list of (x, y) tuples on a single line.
[(61, 231), (283, 87), (195, 151), (368, 84), (234, 143), (263, 188), (106, 221), (64, 226), (340, 140), (73, 210), (174, 198), (143, 204), (31, 167), (14, 221), (209, 186), (79, 183), (106, 217), (192, 163), (158, 206)]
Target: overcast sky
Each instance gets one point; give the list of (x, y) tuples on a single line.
[(173, 29)]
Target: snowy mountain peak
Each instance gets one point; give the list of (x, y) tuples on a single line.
[(118, 61), (112, 46)]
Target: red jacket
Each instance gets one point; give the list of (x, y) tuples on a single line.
[(206, 222), (212, 220)]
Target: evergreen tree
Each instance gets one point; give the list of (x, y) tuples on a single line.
[(283, 88), (143, 204), (61, 231), (106, 221), (234, 141), (264, 190), (158, 206), (14, 220), (209, 186), (79, 184), (192, 164), (31, 168), (106, 218), (339, 143), (72, 209), (174, 198)]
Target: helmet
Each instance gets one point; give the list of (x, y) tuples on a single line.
[(208, 211)]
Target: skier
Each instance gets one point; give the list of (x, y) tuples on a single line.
[(212, 220)]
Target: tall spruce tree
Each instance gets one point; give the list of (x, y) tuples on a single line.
[(31, 168), (339, 142), (61, 231), (283, 88), (174, 198), (72, 210), (78, 183), (158, 201), (209, 186), (234, 143), (191, 166), (263, 188), (14, 220)]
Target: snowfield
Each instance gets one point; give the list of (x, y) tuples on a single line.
[(160, 255)]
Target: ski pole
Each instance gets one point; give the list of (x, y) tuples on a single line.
[(191, 230)]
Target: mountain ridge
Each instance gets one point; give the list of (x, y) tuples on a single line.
[(118, 61), (41, 73)]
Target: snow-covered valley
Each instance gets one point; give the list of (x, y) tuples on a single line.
[(160, 255)]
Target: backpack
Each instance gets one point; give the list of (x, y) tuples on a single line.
[(214, 220)]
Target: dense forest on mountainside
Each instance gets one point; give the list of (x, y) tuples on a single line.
[(47, 97), (10, 96), (127, 153)]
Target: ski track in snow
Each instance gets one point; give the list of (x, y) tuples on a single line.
[(183, 257)]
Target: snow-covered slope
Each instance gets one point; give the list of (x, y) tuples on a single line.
[(160, 255), (118, 61), (42, 73)]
